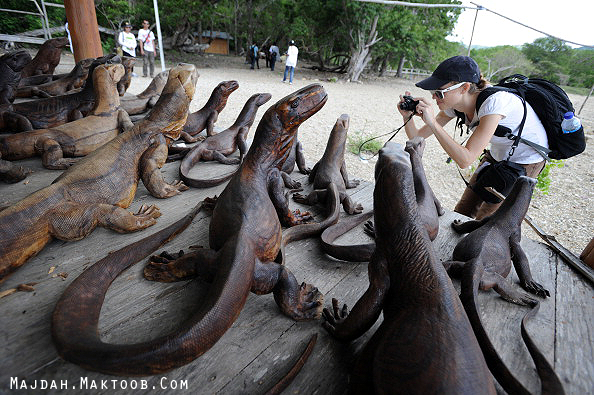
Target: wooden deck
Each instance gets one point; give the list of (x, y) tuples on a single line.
[(262, 344)]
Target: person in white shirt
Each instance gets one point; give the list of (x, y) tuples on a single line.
[(127, 40), (455, 85), (291, 62), (148, 48)]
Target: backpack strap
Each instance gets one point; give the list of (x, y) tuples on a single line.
[(506, 132)]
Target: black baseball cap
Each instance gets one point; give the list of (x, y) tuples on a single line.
[(457, 68)]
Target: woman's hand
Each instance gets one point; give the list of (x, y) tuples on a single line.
[(425, 111), (405, 114)]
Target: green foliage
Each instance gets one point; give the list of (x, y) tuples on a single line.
[(354, 141), (544, 178)]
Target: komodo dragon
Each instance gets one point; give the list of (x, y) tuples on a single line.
[(124, 82), (223, 144), (11, 65), (484, 258), (332, 168), (429, 210), (425, 344), (59, 146), (146, 99), (245, 237), (47, 57), (52, 111), (73, 80), (295, 157), (206, 117), (97, 189)]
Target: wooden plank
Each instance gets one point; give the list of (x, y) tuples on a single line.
[(21, 39), (574, 347)]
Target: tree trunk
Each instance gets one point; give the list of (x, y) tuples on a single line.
[(360, 51), (400, 66), (384, 65)]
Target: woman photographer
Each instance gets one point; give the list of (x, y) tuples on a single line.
[(455, 85)]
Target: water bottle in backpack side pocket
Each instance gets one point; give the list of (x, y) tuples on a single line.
[(570, 123)]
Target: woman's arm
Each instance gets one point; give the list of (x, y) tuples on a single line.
[(462, 155)]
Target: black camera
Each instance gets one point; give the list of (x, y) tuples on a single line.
[(409, 104)]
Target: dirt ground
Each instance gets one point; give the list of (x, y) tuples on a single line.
[(567, 211)]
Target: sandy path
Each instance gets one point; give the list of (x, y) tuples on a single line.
[(566, 212)]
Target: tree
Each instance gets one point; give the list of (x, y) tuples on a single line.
[(497, 62)]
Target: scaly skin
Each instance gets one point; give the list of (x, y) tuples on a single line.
[(52, 111), (206, 117), (77, 138), (332, 168), (71, 81), (425, 344), (96, 190), (11, 66), (47, 57), (245, 237), (484, 258), (223, 144), (145, 100)]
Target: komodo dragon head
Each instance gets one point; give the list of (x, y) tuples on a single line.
[(58, 42), (224, 89), (337, 140), (513, 209), (16, 60), (81, 72), (277, 130), (172, 106), (393, 177)]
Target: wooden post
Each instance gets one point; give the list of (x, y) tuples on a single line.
[(84, 31)]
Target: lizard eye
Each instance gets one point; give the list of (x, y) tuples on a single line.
[(295, 104)]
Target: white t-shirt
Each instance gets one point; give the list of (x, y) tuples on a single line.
[(510, 107), (128, 42), (149, 44), (292, 56)]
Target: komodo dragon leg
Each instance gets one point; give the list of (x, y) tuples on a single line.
[(52, 155), (124, 121), (300, 159), (10, 173), (348, 184), (522, 267), (300, 302), (319, 195), (151, 161), (212, 118), (74, 221), (281, 203), (289, 182), (216, 155), (241, 143), (468, 226), (14, 123)]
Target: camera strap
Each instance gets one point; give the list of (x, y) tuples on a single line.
[(393, 132)]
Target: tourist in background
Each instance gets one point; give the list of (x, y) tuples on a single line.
[(291, 62), (274, 55), (148, 48), (127, 40)]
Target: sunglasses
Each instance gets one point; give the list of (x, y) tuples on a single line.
[(439, 92)]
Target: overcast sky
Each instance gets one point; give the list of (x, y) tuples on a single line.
[(567, 19)]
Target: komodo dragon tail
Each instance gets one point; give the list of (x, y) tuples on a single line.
[(350, 253), (288, 378), (189, 160), (76, 316), (550, 383), (302, 231)]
